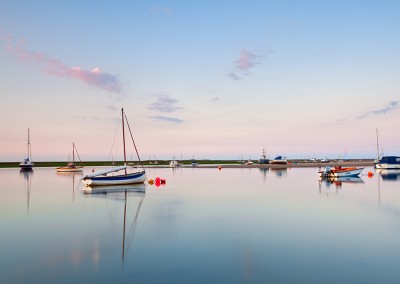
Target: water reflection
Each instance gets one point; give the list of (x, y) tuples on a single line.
[(389, 174), (27, 175), (264, 172), (118, 193), (71, 176), (279, 172), (338, 182)]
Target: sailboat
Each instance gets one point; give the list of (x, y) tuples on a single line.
[(104, 177), (27, 163), (71, 167)]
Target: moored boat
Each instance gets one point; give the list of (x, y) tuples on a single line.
[(104, 177), (263, 159), (339, 171), (27, 163), (279, 160), (174, 163), (388, 162), (71, 166)]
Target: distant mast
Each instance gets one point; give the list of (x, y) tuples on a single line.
[(29, 147), (123, 137), (377, 147)]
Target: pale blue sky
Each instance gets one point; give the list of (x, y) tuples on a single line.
[(213, 79)]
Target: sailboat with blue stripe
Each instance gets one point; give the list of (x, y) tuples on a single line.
[(108, 177)]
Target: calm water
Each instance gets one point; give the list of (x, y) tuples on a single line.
[(203, 226)]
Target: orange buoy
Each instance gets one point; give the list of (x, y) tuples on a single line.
[(370, 174), (151, 181), (219, 167)]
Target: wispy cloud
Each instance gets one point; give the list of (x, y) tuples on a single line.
[(112, 108), (167, 119), (246, 61), (234, 76), (54, 67), (161, 10), (165, 104), (393, 105)]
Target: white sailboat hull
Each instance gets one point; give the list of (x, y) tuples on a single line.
[(387, 166), (26, 166), (139, 177)]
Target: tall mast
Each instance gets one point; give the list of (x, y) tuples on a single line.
[(73, 152), (123, 137), (377, 146), (29, 144)]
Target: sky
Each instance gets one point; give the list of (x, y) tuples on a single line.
[(203, 79)]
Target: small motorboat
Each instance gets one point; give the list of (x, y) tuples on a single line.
[(339, 171)]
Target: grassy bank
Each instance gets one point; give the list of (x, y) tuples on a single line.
[(294, 163)]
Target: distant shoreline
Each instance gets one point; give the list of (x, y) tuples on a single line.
[(207, 164)]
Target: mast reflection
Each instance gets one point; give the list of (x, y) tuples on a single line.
[(118, 193), (27, 175)]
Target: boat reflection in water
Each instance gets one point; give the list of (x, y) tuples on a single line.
[(389, 174), (121, 193), (71, 175), (108, 189), (338, 182), (264, 172), (27, 175), (280, 172)]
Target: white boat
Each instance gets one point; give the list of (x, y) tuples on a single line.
[(27, 163), (249, 162), (106, 178), (174, 163), (339, 171), (71, 166), (279, 160), (388, 162)]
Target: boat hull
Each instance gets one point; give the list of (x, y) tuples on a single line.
[(133, 178), (24, 166), (388, 162), (387, 166), (69, 170), (344, 172), (279, 162)]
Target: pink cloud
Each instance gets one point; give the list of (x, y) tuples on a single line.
[(56, 68), (246, 60)]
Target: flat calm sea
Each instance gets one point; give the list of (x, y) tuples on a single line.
[(203, 226)]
